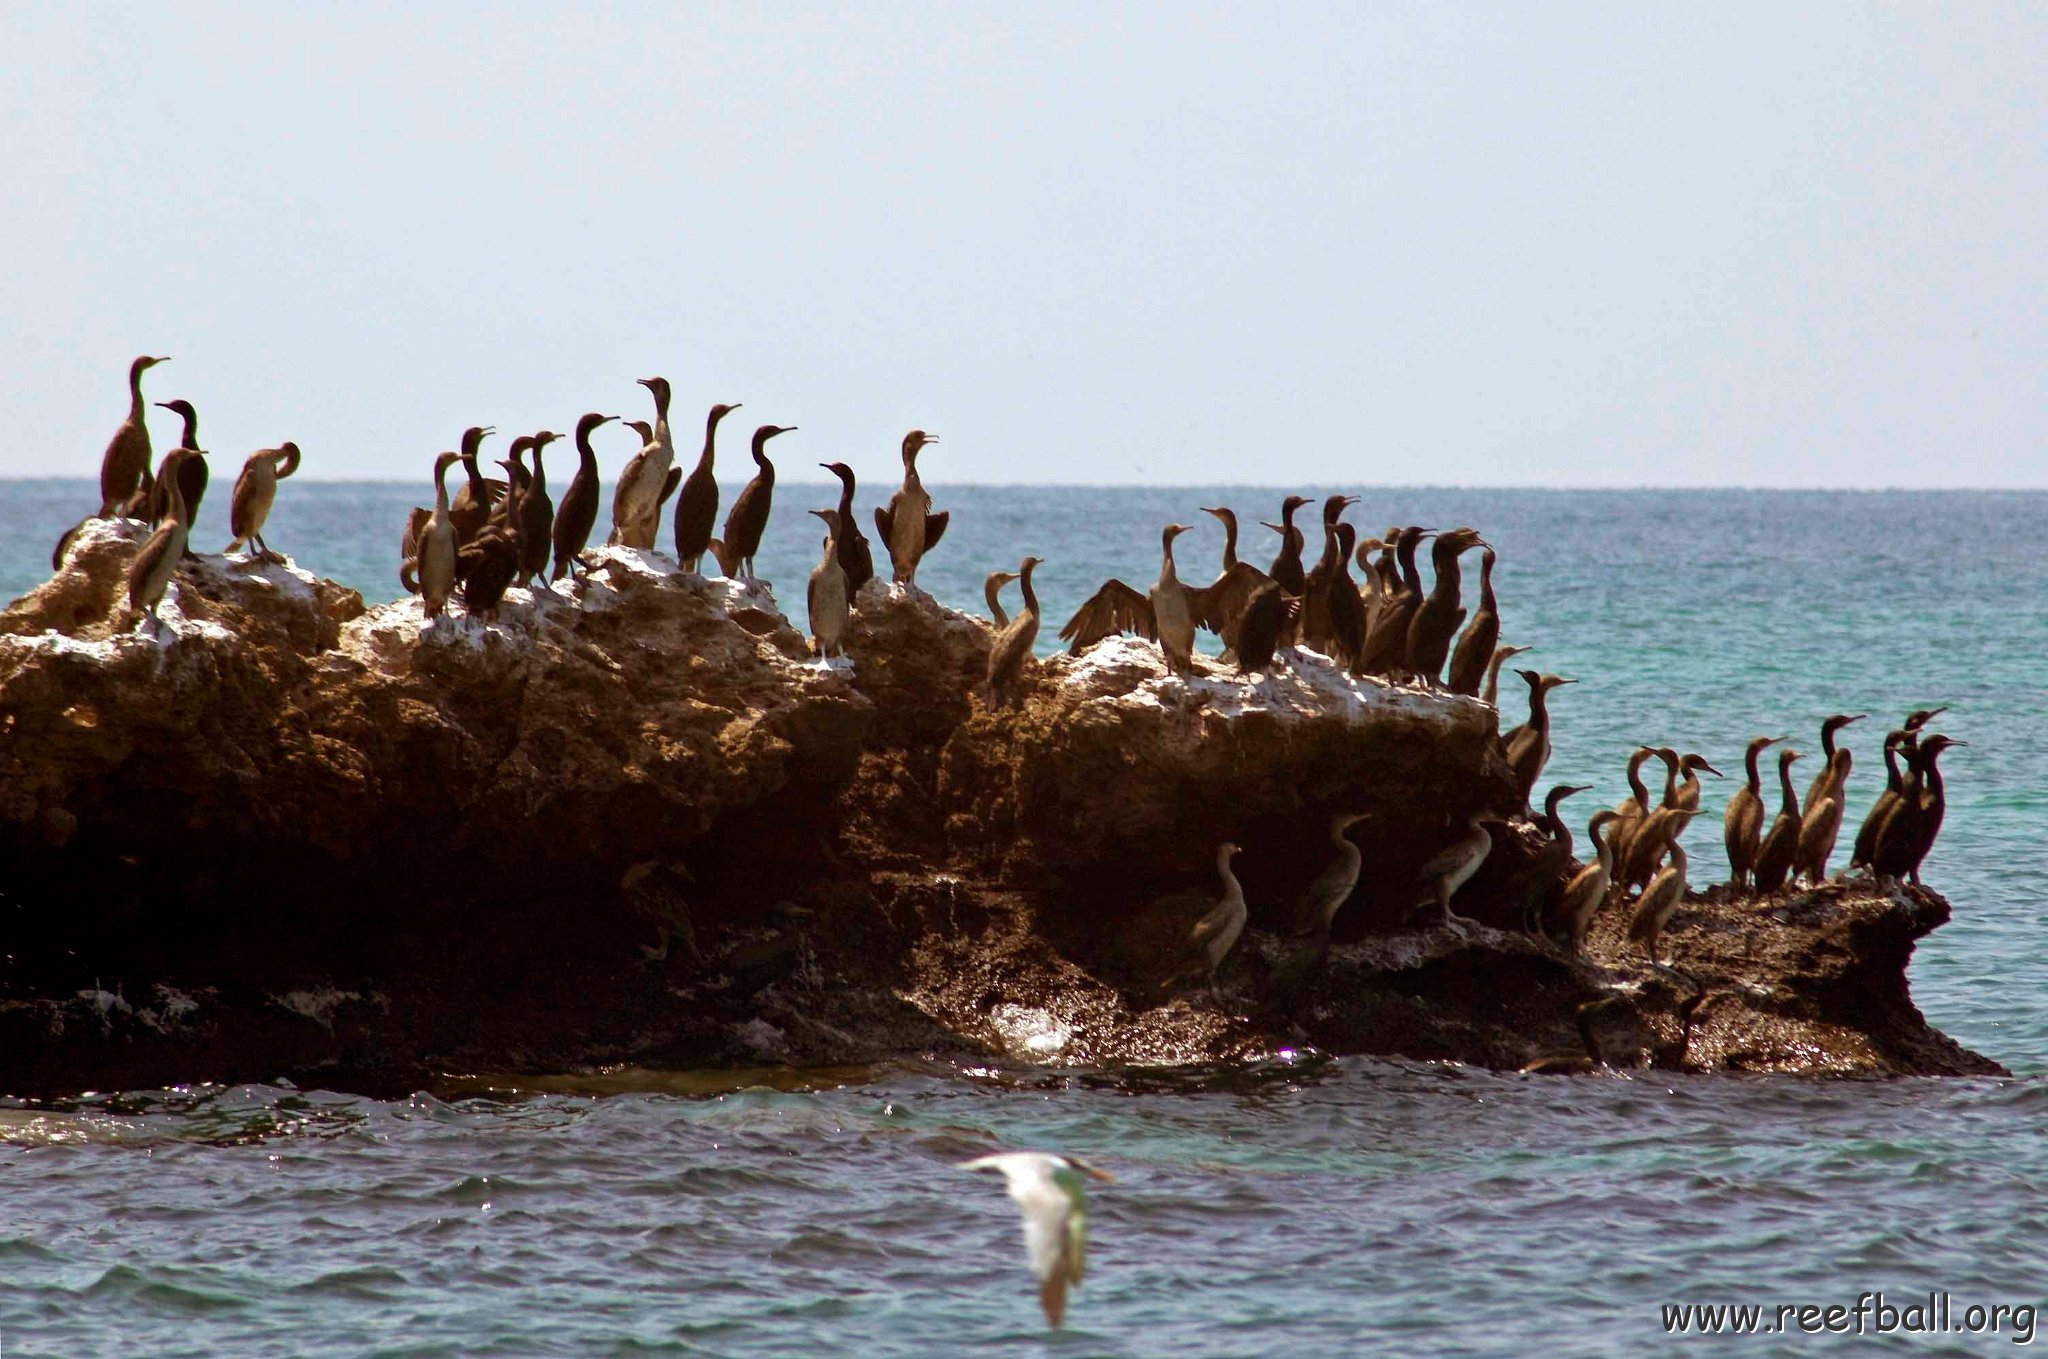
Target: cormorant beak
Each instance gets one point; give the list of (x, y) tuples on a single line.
[(1711, 770), (490, 429), (1857, 718)]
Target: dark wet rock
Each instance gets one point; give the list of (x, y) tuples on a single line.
[(632, 822)]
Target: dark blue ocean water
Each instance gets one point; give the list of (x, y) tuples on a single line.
[(1329, 1207)]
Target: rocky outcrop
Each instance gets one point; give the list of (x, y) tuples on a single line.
[(632, 820)]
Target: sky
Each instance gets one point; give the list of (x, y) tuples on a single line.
[(1533, 244)]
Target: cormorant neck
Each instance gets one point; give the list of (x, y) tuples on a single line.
[(1411, 576), (1756, 778), (1229, 539), (1486, 604), (1030, 595), (1791, 802), (441, 490), (137, 411), (845, 499)]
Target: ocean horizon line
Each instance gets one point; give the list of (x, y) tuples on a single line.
[(1276, 486)]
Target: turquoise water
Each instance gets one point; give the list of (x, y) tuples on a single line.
[(1332, 1207)]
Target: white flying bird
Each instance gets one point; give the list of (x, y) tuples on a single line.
[(1048, 1190)]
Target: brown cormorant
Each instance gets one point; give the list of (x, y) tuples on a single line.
[(748, 519), (1386, 646), (577, 514), (1013, 645), (1781, 842), (1905, 738), (1315, 597), (908, 527), (1437, 618), (826, 597), (192, 473), (255, 491), (435, 550), (1286, 567), (490, 563), (1539, 883), (1212, 936), (1528, 746), (149, 574), (1165, 615), (854, 557), (697, 506), (536, 517), (1659, 900), (1259, 629), (1910, 828), (1587, 891), (1453, 866), (1481, 635), (1743, 823), (126, 461), (643, 483), (1224, 599), (1319, 902)]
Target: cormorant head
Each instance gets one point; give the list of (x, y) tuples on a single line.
[(1692, 762), (589, 424), (840, 470), (641, 428), (658, 386), (914, 441), (767, 432)]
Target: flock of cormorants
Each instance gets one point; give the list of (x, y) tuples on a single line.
[(493, 533)]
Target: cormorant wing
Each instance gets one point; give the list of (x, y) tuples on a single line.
[(1219, 604), (1115, 608), (415, 527), (242, 480), (1209, 925), (668, 488), (1445, 859), (885, 521), (935, 528)]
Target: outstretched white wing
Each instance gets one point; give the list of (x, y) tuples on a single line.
[(1047, 1191)]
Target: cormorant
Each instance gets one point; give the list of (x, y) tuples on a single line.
[(126, 462), (149, 574), (854, 557), (908, 527), (435, 548), (1436, 619), (255, 491), (697, 507), (1481, 635), (576, 516), (1013, 645), (1781, 842), (827, 595), (1743, 823), (748, 519), (1528, 746)]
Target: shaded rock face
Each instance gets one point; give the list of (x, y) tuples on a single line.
[(632, 820)]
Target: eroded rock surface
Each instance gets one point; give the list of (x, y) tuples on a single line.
[(632, 820)]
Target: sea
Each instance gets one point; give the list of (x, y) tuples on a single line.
[(1305, 1205)]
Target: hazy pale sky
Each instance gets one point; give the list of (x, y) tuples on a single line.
[(1504, 245)]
